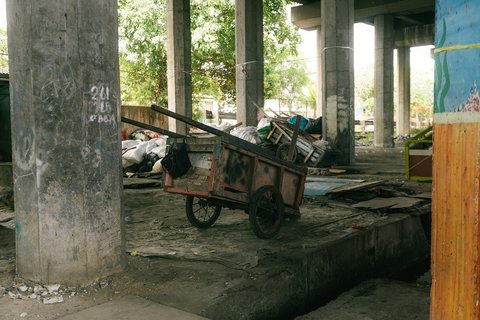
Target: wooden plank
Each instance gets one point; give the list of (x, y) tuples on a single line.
[(357, 186), (293, 144), (391, 203), (307, 157), (455, 216)]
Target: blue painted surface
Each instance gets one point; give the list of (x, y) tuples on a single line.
[(457, 68)]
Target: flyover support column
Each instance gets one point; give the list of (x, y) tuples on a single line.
[(249, 53), (403, 105), (65, 103), (383, 113), (179, 62), (338, 77), (319, 104)]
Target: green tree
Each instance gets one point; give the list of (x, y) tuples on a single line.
[(3, 49), (143, 54)]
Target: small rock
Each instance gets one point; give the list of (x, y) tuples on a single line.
[(2, 291), (12, 295), (38, 289), (52, 300), (73, 293), (52, 287), (33, 296), (44, 293), (23, 288), (23, 315)]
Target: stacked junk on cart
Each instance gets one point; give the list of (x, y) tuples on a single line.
[(261, 170)]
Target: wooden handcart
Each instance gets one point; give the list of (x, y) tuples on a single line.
[(230, 172)]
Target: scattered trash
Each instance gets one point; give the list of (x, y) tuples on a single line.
[(23, 314), (249, 134), (133, 253)]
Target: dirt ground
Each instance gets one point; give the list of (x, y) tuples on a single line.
[(173, 263)]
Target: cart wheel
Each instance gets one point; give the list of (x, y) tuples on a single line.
[(200, 213), (266, 212), (282, 152)]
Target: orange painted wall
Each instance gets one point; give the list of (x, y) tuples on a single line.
[(455, 215)]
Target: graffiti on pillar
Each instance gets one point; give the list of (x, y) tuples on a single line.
[(457, 56), (59, 87), (102, 110)]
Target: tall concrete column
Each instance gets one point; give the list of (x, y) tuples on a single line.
[(65, 102), (383, 114), (249, 53), (403, 105), (179, 62), (319, 103), (338, 77)]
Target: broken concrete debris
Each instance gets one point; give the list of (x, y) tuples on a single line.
[(52, 300)]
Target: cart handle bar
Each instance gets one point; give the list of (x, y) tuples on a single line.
[(152, 128)]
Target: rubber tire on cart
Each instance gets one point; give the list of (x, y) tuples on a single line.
[(266, 212), (201, 213), (282, 152)]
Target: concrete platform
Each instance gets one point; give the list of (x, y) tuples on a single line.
[(131, 308)]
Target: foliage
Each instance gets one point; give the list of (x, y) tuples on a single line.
[(143, 54), (3, 49), (365, 91), (142, 37)]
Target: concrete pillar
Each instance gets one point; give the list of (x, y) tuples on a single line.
[(338, 77), (65, 100), (403, 105), (383, 114), (319, 102), (179, 62), (249, 53)]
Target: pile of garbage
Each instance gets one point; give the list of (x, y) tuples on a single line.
[(143, 152), (275, 134)]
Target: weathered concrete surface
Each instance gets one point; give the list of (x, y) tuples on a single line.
[(5, 128), (378, 299), (65, 118), (179, 62), (338, 78), (131, 308), (403, 87), (383, 113), (249, 59), (6, 174)]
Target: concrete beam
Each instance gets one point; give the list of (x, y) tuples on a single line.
[(403, 85), (65, 100), (338, 74), (249, 54), (421, 35), (383, 113), (308, 16), (179, 62)]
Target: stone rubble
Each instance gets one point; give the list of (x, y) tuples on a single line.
[(51, 293)]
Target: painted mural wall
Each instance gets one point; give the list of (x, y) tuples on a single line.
[(457, 56)]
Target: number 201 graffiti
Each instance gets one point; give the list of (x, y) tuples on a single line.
[(100, 96)]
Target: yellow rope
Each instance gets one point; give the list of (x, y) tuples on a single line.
[(458, 47)]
